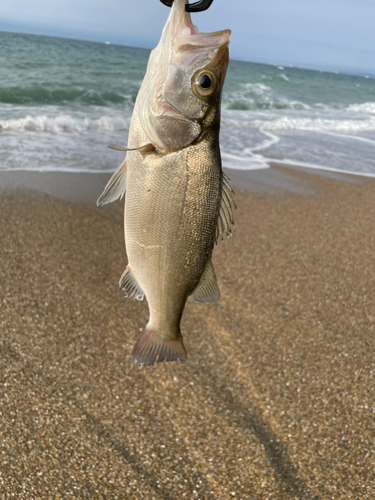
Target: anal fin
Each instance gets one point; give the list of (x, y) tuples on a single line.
[(130, 285), (115, 187), (207, 290)]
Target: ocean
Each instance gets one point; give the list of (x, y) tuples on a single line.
[(63, 101)]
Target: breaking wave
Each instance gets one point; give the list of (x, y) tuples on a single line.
[(258, 96), (316, 125), (366, 107), (64, 124)]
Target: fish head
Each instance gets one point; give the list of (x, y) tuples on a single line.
[(181, 92)]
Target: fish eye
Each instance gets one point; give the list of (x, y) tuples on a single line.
[(204, 83)]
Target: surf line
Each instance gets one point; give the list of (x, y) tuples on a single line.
[(354, 137), (260, 162), (251, 161), (293, 163)]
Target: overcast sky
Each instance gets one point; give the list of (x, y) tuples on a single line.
[(336, 35)]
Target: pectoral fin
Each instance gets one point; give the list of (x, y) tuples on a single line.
[(115, 187), (207, 290), (147, 148)]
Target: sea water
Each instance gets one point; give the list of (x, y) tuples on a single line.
[(63, 101)]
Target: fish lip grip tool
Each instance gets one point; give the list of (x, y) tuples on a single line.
[(192, 7)]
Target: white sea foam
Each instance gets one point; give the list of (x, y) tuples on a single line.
[(257, 88), (64, 123), (309, 148), (259, 162), (297, 105), (235, 162), (315, 124), (367, 107), (272, 139), (249, 160), (353, 137)]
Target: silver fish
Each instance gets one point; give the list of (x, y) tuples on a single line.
[(178, 201)]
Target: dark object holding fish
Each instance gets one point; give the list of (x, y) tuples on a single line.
[(192, 7)]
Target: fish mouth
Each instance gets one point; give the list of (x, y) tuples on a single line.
[(187, 36), (162, 100)]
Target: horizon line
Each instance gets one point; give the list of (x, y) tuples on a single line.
[(344, 73)]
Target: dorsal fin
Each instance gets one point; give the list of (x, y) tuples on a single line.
[(115, 187), (225, 220), (207, 290)]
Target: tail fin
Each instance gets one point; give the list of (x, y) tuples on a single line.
[(153, 348)]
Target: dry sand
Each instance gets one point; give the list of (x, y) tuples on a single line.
[(276, 400)]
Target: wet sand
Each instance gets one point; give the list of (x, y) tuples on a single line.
[(276, 400)]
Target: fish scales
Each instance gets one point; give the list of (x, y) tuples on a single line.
[(176, 197), (171, 209)]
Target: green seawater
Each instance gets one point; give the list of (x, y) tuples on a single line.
[(62, 101)]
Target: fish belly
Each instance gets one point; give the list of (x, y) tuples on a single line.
[(171, 210)]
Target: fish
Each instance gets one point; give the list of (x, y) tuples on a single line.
[(178, 201)]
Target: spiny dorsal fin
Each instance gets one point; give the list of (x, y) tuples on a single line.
[(130, 285), (115, 187), (207, 290), (147, 148), (225, 220)]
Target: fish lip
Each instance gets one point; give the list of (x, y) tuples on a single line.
[(157, 101), (200, 40), (203, 41)]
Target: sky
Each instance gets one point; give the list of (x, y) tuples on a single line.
[(332, 35)]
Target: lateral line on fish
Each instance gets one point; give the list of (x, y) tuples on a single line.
[(148, 247)]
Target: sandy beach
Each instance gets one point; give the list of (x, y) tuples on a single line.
[(276, 400)]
